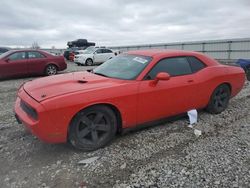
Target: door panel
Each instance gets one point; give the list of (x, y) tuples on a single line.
[(98, 58), (36, 62), (13, 68), (166, 98), (14, 65), (36, 66), (108, 56)]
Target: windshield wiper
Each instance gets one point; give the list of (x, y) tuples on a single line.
[(97, 73)]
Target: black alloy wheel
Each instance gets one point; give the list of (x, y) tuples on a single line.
[(219, 99), (89, 62), (93, 128)]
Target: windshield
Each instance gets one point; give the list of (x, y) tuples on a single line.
[(5, 54), (126, 67), (89, 50)]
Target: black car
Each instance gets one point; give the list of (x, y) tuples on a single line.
[(3, 50), (67, 52)]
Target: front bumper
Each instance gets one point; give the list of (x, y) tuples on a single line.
[(80, 60), (42, 127)]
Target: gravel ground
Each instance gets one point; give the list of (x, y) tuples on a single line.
[(168, 155)]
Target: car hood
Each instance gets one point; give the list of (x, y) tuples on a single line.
[(52, 86)]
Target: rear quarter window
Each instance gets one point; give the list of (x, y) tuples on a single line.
[(35, 55), (195, 64)]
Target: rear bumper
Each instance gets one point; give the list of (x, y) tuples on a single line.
[(43, 128)]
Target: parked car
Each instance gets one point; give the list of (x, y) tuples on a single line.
[(245, 64), (117, 52), (92, 56), (89, 108), (71, 56), (70, 52), (30, 62), (77, 52), (67, 52), (3, 50)]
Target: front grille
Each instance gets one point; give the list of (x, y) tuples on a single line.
[(29, 110)]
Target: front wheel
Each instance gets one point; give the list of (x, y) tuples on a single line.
[(92, 128), (89, 62), (219, 99), (51, 70)]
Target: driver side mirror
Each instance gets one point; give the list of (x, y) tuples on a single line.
[(7, 60), (160, 76)]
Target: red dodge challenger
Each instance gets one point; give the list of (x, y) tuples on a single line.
[(88, 108)]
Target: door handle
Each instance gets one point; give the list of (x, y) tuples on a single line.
[(189, 81)]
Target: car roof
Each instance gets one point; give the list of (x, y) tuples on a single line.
[(103, 48), (31, 50), (162, 53), (5, 48), (27, 50)]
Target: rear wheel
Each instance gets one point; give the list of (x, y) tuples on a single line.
[(51, 70), (219, 99), (89, 62), (93, 128)]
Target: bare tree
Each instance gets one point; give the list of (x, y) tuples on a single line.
[(35, 45)]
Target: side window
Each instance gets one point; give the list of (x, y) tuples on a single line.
[(174, 66), (17, 56), (107, 51), (99, 51), (34, 55), (196, 64)]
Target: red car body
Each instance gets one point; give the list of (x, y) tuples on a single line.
[(71, 56), (57, 99), (31, 62)]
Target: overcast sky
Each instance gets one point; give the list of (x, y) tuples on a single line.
[(120, 22)]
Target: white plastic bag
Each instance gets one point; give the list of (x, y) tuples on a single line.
[(193, 116)]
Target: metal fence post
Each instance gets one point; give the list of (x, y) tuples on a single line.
[(203, 47), (229, 49)]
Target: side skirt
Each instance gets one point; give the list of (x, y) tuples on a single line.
[(153, 123)]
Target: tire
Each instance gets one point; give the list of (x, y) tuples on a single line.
[(51, 70), (92, 128), (219, 99), (89, 62)]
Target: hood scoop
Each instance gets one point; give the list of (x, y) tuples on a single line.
[(82, 81)]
